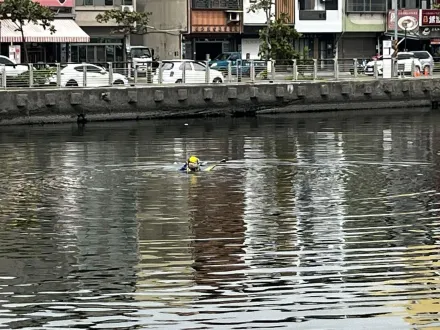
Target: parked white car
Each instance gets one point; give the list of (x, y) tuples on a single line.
[(72, 75), (11, 67), (195, 72), (404, 59)]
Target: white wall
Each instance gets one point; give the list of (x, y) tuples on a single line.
[(256, 18), (251, 46), (333, 23)]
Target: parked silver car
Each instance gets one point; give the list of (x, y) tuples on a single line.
[(425, 59)]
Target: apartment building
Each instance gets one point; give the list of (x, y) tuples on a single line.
[(215, 27), (320, 22)]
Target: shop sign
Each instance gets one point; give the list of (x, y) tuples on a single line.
[(407, 21), (435, 41), (215, 29), (429, 32), (430, 17)]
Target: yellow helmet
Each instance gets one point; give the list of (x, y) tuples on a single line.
[(193, 159)]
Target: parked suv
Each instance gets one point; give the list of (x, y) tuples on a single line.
[(404, 59), (425, 59)]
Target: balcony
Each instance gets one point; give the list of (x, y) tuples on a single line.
[(217, 4), (366, 6)]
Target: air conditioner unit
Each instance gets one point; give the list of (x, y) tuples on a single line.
[(233, 17), (127, 8)]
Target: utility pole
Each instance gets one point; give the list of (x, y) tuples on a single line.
[(395, 20)]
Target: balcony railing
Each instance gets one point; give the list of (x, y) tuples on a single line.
[(362, 6), (217, 4)]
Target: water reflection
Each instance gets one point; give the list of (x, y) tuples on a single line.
[(314, 221)]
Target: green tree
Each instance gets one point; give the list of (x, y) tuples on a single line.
[(128, 23), (277, 36), (23, 12)]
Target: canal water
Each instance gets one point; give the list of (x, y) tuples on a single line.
[(324, 221)]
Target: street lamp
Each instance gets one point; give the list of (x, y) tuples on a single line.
[(405, 37)]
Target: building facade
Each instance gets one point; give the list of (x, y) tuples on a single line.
[(169, 22), (215, 28), (364, 25), (253, 22), (104, 46), (42, 46), (320, 23)]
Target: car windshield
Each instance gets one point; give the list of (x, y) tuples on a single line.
[(140, 52), (222, 57), (421, 55), (404, 56)]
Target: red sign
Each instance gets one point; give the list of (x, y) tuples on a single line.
[(430, 17), (407, 19), (215, 29), (435, 41)]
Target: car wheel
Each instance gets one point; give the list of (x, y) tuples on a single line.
[(178, 81), (118, 82), (217, 80), (72, 83)]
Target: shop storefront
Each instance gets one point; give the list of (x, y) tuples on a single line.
[(42, 45), (420, 29), (211, 33), (430, 31), (98, 51)]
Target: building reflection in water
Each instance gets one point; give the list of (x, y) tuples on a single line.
[(320, 194), (216, 206)]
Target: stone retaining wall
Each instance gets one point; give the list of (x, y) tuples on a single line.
[(143, 102)]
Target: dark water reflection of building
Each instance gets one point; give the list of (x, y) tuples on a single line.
[(215, 210), (71, 236)]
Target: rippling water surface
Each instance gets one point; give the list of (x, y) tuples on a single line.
[(315, 222)]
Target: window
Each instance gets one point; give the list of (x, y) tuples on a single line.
[(187, 66), (199, 67), (217, 4), (404, 56), (366, 6), (167, 66), (6, 61), (319, 5), (422, 55), (331, 5), (92, 68), (99, 2)]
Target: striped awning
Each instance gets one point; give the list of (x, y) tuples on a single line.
[(66, 31)]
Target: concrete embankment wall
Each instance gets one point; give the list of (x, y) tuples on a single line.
[(144, 102)]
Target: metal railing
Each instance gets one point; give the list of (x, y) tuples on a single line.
[(189, 72)]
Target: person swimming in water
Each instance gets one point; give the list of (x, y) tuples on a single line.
[(193, 164)]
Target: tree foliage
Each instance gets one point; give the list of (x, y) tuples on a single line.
[(127, 22), (277, 36), (281, 38), (23, 12)]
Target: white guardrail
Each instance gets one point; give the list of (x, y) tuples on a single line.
[(56, 75)]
